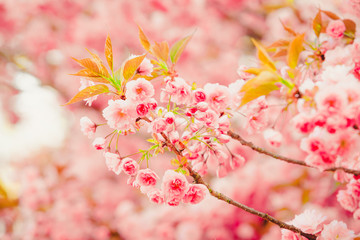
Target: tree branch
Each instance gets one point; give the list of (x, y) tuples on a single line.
[(198, 179), (282, 158)]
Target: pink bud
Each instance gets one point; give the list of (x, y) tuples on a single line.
[(99, 143), (199, 95), (202, 106), (169, 117), (142, 109), (152, 104)]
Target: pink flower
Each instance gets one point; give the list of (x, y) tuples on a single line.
[(336, 230), (129, 166), (310, 221), (199, 95), (217, 96), (88, 127), (146, 177), (113, 161), (158, 125), (152, 104), (237, 161), (139, 90), (330, 99), (357, 214), (195, 194), (202, 106), (336, 29), (169, 117), (221, 171), (272, 137), (145, 68), (142, 109), (117, 115), (347, 201), (156, 196), (99, 143), (174, 184), (354, 188), (289, 235)]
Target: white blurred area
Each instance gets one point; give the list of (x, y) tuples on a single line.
[(43, 122)]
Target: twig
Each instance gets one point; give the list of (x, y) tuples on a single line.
[(285, 159)]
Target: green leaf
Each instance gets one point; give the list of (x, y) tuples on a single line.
[(178, 47), (89, 92), (131, 66)]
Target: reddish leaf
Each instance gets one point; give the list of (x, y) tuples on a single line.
[(89, 92), (131, 66), (331, 15), (280, 53), (288, 29), (109, 52), (143, 39), (350, 26), (279, 43)]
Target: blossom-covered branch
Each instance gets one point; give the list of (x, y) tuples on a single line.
[(222, 197), (283, 158)]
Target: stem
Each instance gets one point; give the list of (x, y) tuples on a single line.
[(282, 158)]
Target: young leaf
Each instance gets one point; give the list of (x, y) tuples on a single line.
[(94, 65), (161, 50), (90, 76), (143, 39), (317, 24), (178, 47), (109, 52), (264, 56), (89, 92), (279, 43), (288, 29), (331, 15), (350, 26), (131, 66), (295, 48), (260, 85)]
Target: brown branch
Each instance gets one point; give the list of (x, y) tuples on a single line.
[(282, 158), (198, 179)]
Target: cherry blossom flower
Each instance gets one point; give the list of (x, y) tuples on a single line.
[(129, 166), (117, 115), (139, 90), (336, 29), (195, 194), (113, 162), (99, 143), (88, 127), (146, 177), (335, 231)]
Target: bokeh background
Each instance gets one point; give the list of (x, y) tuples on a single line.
[(53, 183)]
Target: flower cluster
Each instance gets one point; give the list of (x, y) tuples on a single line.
[(313, 222)]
